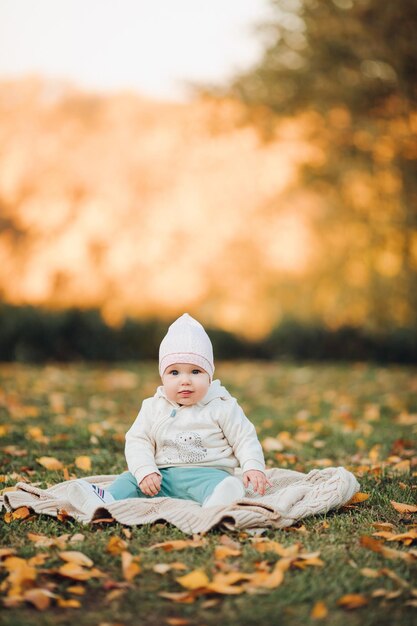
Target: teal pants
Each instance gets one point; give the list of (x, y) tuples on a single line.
[(186, 483)]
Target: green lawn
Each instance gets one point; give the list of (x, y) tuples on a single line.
[(359, 416)]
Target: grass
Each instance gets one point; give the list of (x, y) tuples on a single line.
[(359, 416)]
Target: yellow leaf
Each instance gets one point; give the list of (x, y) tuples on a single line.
[(352, 601), (179, 544), (163, 568), (41, 541), (357, 498), (116, 545), (21, 513), (38, 559), (269, 580), (222, 552), (77, 572), (72, 556), (404, 508), (177, 621), (194, 580), (78, 590), (130, 566), (319, 610), (183, 597), (50, 463), (68, 604), (5, 552), (370, 573), (20, 574), (40, 598), (83, 463), (377, 546)]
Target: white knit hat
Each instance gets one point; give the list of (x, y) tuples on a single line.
[(186, 342)]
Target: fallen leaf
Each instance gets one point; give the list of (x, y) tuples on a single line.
[(377, 546), (77, 572), (194, 580), (383, 526), (72, 556), (5, 552), (225, 540), (404, 508), (163, 568), (179, 544), (370, 573), (38, 559), (352, 601), (83, 463), (62, 515), (406, 538), (68, 604), (222, 552), (78, 590), (357, 498), (40, 598), (50, 462), (130, 566), (177, 621), (20, 575), (183, 597), (268, 580), (21, 513), (319, 610), (115, 594), (116, 545)]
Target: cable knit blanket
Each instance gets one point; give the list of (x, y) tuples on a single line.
[(292, 497)]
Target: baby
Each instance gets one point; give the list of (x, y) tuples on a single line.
[(188, 438)]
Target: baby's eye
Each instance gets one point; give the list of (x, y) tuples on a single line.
[(196, 372), (174, 372)]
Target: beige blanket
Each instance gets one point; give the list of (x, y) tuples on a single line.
[(292, 497)]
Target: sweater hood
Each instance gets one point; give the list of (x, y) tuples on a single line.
[(215, 391)]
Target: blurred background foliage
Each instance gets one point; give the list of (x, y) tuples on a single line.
[(280, 209), (350, 68)]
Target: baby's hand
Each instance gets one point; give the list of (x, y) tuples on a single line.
[(151, 484), (258, 479)]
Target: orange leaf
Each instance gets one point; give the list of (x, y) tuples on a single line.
[(194, 580), (222, 552), (116, 545), (68, 604), (179, 544), (21, 513), (83, 463), (130, 566), (177, 621), (72, 556), (78, 590), (50, 462), (357, 498), (77, 572), (40, 598), (163, 568), (404, 508), (352, 601), (319, 610), (183, 597)]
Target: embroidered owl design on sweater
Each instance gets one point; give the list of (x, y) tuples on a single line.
[(186, 447)]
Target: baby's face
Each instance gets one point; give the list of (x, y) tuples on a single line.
[(185, 383)]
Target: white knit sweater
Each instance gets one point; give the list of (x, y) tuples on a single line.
[(214, 432)]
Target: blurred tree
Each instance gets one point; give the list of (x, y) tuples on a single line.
[(348, 68)]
